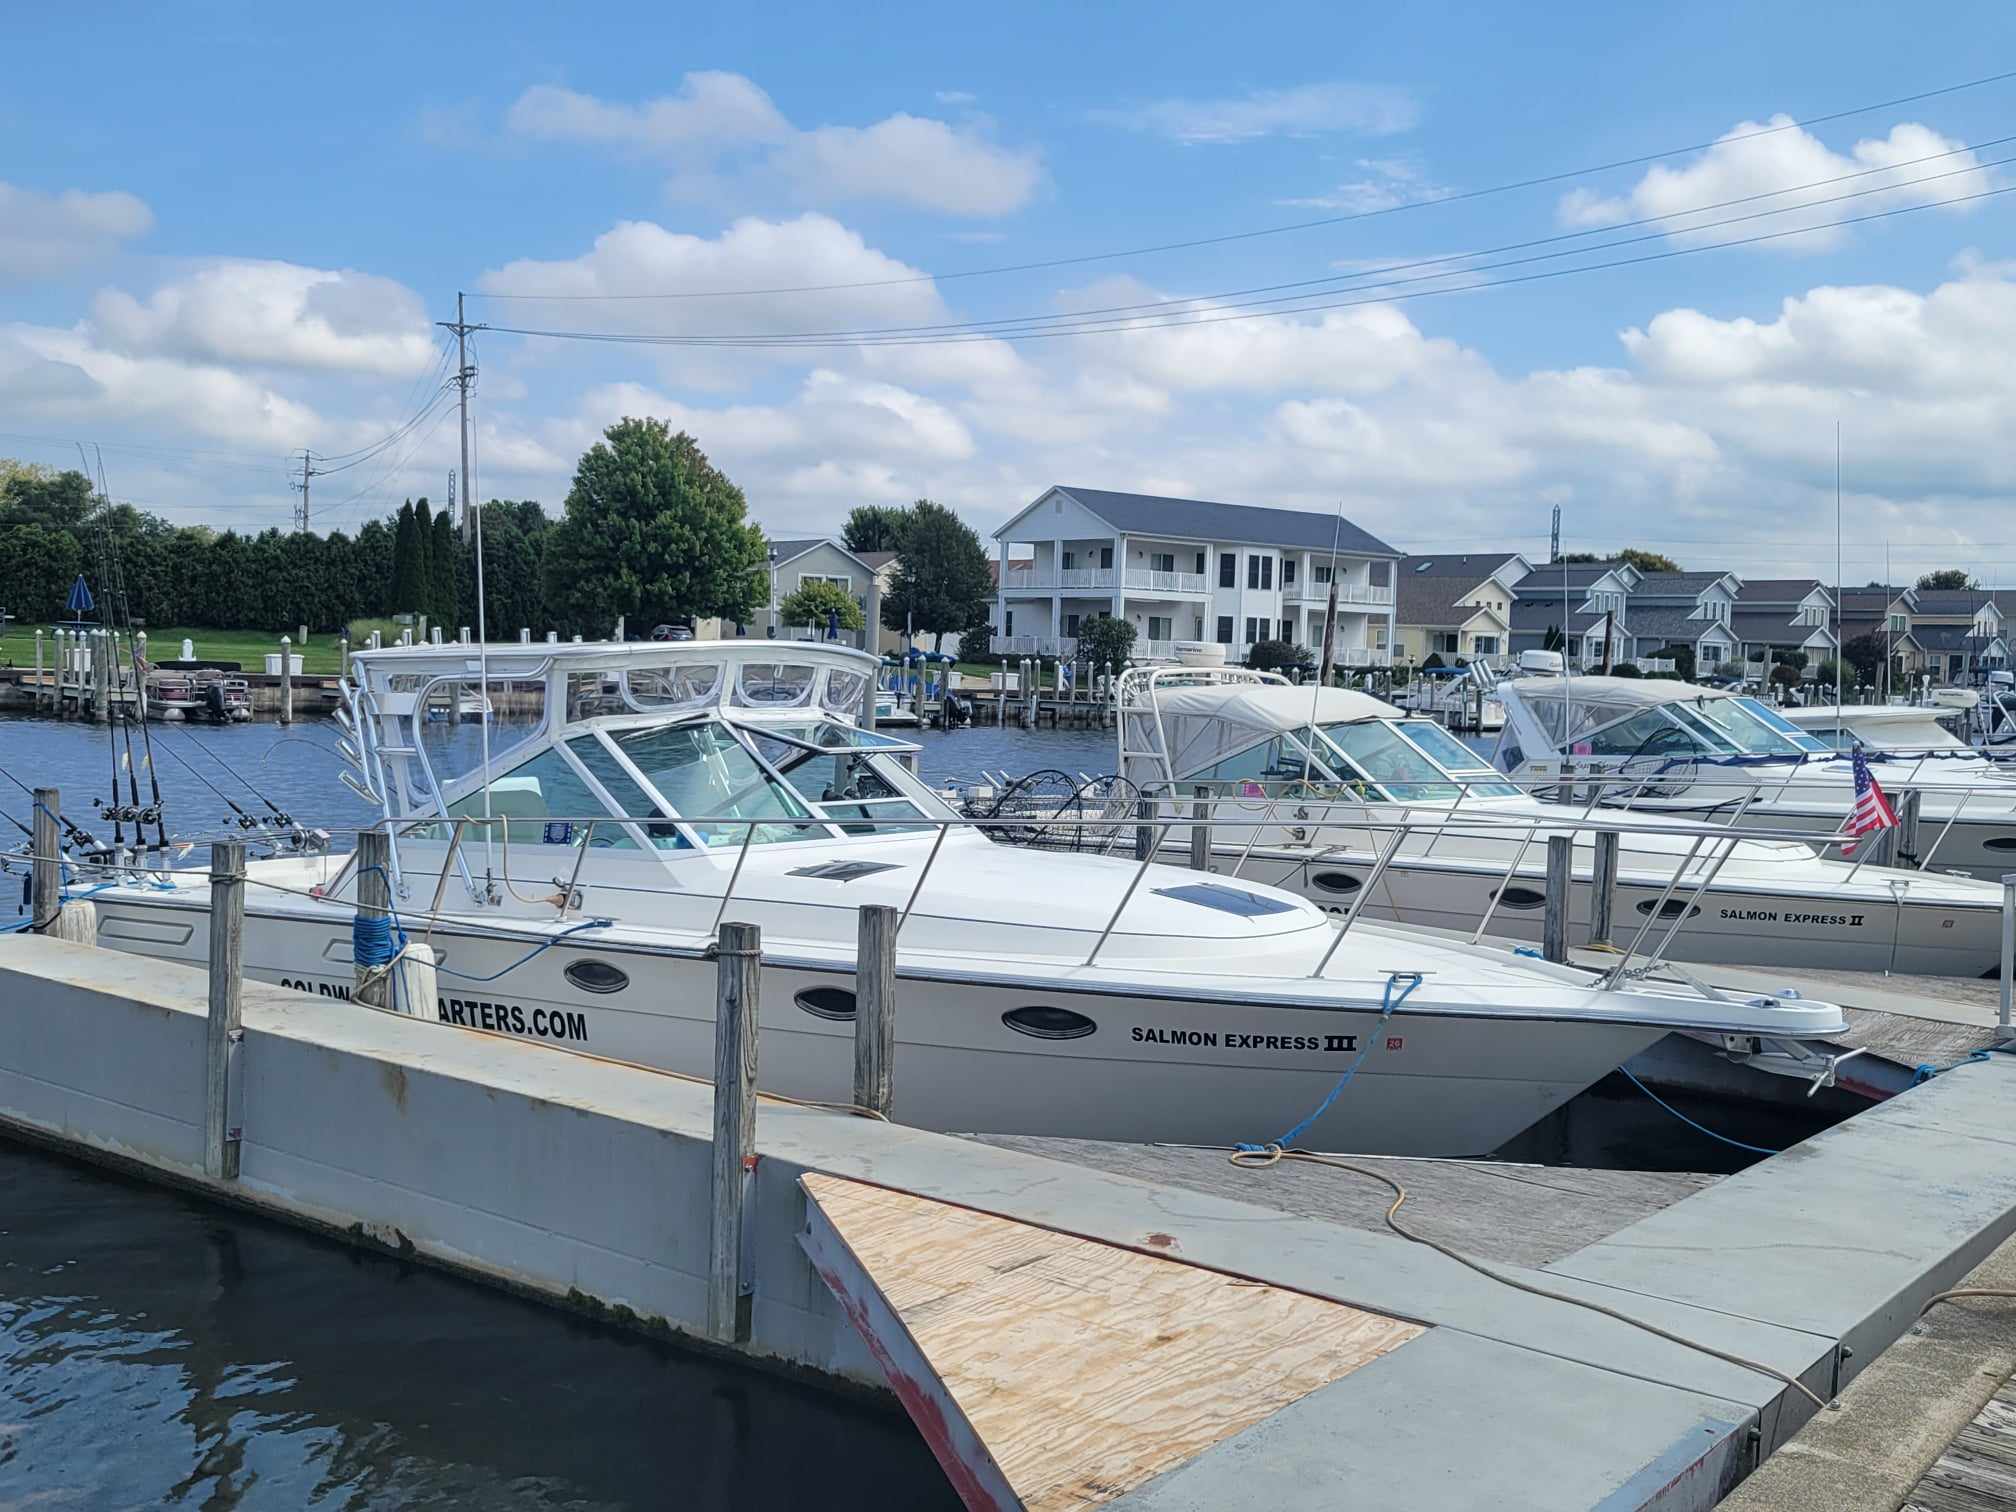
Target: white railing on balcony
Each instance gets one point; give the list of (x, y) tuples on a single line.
[(1053, 579), (1347, 593), (1166, 582)]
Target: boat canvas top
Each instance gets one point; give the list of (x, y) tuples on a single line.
[(1880, 727)]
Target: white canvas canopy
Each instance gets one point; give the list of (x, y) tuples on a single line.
[(1567, 708), (1202, 725)]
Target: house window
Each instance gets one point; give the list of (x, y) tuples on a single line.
[(1445, 642), (1071, 623), (1070, 560), (1484, 645), (1224, 629), (1288, 631), (1197, 627), (1899, 624), (1200, 564), (1007, 621), (1288, 572), (1253, 571), (1162, 561), (1227, 572), (1159, 628), (1252, 629), (842, 582), (1320, 575), (1379, 635), (1266, 572)]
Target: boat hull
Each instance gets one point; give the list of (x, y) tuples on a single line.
[(1153, 1067)]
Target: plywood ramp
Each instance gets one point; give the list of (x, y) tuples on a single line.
[(1051, 1372)]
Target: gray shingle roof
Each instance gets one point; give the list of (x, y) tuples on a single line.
[(1668, 622), (1952, 600), (1776, 590), (1540, 614), (1949, 638), (1675, 584), (1764, 628), (1547, 577), (1206, 520), (1429, 586), (786, 550)]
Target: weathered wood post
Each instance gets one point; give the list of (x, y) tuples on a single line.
[(1908, 805), (36, 702), (740, 949), (875, 1008), (286, 680), (1603, 889), (1200, 829), (101, 685), (2008, 950), (227, 990), (1554, 922), (374, 901), (46, 894), (1144, 827), (871, 642)]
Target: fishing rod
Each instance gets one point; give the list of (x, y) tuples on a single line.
[(82, 838), (123, 609), (245, 820)]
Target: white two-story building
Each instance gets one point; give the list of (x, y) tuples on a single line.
[(1185, 571)]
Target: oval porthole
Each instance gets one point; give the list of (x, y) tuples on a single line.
[(827, 1003), (2000, 843), (1049, 1023), (597, 976), (1336, 881), (1672, 909), (1522, 897)]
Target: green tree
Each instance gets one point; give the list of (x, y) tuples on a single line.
[(514, 557), (1104, 641), (1552, 640), (56, 501), (1784, 675), (1278, 656), (405, 562), (653, 532), (941, 578), (1950, 579), (816, 602), (1644, 561), (874, 527), (37, 566), (1865, 654), (442, 551), (420, 599), (1682, 658)]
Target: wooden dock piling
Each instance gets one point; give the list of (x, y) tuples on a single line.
[(286, 681), (46, 897), (1200, 829), (739, 950), (227, 989), (1560, 881), (875, 1009), (1603, 891), (374, 900)]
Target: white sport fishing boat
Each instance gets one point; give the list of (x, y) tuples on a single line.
[(1667, 747), (1891, 728), (649, 791), (1310, 786)]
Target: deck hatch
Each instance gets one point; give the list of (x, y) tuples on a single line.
[(843, 871), (1232, 900)]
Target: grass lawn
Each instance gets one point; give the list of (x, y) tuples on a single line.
[(249, 648)]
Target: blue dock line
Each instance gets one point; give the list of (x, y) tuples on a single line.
[(1698, 1128), (1388, 1006), (372, 940)]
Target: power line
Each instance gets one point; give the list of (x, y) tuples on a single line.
[(1111, 327), (1535, 181), (1313, 287)]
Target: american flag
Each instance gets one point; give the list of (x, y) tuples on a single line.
[(1872, 810)]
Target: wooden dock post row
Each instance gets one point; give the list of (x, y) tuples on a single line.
[(222, 1122)]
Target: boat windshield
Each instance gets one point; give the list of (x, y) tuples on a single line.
[(825, 735), (1374, 748), (1749, 734), (1269, 767), (1664, 731), (848, 786), (1782, 725), (706, 774), (1480, 780)]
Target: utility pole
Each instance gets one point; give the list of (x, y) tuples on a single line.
[(1554, 543), (463, 374), (307, 471)]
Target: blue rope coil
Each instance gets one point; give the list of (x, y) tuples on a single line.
[(1388, 1006), (374, 941)]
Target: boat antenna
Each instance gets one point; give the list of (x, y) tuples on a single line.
[(473, 517), (1329, 640), (1837, 566)]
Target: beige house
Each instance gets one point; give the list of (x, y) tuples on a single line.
[(1456, 606)]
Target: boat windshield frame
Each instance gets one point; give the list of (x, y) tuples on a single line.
[(1806, 741), (1750, 735)]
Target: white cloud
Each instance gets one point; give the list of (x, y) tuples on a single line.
[(710, 109), (41, 234), (720, 121), (274, 314), (956, 97), (1384, 184), (1306, 110), (1913, 165)]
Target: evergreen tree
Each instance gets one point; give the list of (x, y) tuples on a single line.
[(420, 599), (442, 550), (405, 588), (942, 583)]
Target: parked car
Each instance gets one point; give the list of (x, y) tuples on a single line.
[(672, 633)]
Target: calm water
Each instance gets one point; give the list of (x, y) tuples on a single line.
[(199, 766), (158, 1351)]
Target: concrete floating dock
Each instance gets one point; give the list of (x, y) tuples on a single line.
[(588, 1182)]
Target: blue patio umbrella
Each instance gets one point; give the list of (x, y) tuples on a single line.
[(80, 601)]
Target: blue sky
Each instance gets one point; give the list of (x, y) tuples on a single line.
[(223, 238)]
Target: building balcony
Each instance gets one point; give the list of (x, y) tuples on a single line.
[(1103, 580), (1367, 596), (1033, 645)]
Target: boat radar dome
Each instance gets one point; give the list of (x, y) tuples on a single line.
[(1541, 663)]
